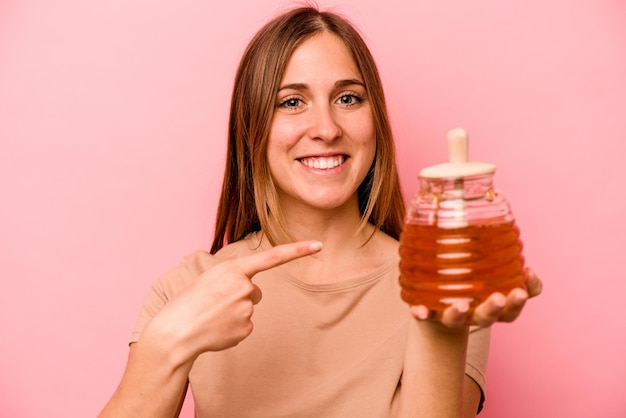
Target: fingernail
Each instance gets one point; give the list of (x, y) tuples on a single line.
[(462, 307), (315, 246), (498, 300), (422, 312), (520, 295)]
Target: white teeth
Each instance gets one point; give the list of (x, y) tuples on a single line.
[(323, 163)]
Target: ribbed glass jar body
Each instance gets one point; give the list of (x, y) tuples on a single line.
[(459, 241)]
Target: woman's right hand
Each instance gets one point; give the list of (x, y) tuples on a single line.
[(215, 312)]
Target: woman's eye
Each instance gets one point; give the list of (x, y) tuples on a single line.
[(291, 103), (349, 99)]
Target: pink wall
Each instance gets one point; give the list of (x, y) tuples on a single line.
[(112, 127)]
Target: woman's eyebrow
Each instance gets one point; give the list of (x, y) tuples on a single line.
[(349, 82), (294, 86), (338, 84)]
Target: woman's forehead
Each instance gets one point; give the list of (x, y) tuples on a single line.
[(323, 57)]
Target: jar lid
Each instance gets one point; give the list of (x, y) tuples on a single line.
[(458, 166)]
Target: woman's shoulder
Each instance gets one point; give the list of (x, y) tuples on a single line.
[(385, 244), (182, 275), (248, 245), (201, 260), (388, 240), (195, 263), (380, 251)]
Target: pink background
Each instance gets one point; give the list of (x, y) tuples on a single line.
[(112, 129)]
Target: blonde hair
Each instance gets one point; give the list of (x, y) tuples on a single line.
[(249, 199)]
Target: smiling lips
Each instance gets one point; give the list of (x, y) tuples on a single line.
[(323, 163)]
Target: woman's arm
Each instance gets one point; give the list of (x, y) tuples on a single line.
[(149, 387), (212, 314), (434, 372)]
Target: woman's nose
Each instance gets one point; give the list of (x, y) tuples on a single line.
[(323, 124)]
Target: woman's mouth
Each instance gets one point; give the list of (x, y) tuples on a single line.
[(323, 163)]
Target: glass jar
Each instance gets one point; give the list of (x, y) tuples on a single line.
[(459, 239)]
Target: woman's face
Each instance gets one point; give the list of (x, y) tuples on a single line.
[(322, 139)]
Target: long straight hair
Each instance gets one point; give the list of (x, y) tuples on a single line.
[(249, 199)]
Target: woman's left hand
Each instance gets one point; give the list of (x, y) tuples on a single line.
[(496, 308)]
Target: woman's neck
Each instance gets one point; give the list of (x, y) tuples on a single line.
[(335, 226), (348, 250)]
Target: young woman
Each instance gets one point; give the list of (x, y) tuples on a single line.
[(308, 221)]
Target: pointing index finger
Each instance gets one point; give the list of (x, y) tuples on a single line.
[(278, 255)]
